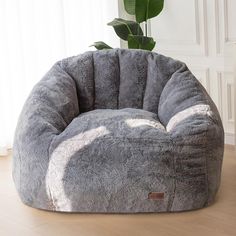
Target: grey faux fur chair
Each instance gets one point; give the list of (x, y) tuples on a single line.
[(118, 131)]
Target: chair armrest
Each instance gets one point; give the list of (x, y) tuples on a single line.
[(182, 96), (50, 107), (48, 110), (195, 128)]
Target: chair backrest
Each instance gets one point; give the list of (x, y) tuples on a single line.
[(120, 78)]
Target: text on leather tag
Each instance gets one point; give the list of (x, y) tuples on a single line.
[(156, 196)]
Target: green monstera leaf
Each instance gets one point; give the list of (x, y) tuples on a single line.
[(125, 27), (131, 31), (130, 6), (146, 9), (141, 42), (100, 45)]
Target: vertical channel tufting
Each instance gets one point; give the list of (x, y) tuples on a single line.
[(94, 91), (145, 79), (80, 68), (129, 78), (153, 85), (106, 70), (133, 65), (118, 97), (157, 78)]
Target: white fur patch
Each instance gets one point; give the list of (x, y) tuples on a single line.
[(58, 162), (200, 109)]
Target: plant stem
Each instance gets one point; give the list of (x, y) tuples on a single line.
[(146, 28), (138, 28), (147, 13)]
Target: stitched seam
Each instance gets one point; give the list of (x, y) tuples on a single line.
[(171, 201), (94, 84), (207, 175), (39, 188), (130, 139), (145, 88), (118, 98), (62, 67), (48, 152)]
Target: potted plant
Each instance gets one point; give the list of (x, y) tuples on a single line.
[(131, 31)]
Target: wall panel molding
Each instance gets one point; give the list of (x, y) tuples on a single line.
[(227, 38), (220, 89), (197, 46), (227, 99), (203, 76), (217, 19)]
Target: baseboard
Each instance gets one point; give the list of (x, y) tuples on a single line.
[(229, 138)]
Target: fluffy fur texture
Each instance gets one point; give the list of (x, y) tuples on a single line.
[(103, 129)]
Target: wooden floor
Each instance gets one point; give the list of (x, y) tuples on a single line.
[(218, 220)]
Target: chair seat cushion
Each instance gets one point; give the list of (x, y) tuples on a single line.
[(128, 123), (109, 160)]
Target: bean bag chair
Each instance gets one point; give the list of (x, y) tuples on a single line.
[(120, 131)]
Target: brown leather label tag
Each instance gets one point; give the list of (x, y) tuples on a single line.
[(156, 196)]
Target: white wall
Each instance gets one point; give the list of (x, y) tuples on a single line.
[(201, 33)]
